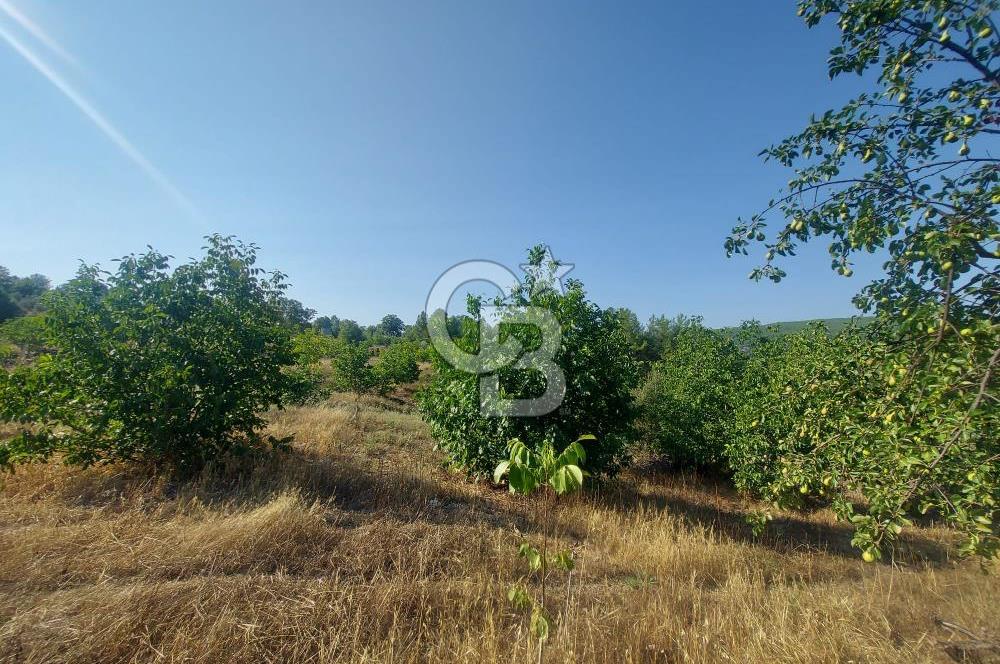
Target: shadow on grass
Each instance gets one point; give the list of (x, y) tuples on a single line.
[(392, 490), (422, 492), (786, 533)]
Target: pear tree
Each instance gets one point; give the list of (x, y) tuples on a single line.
[(907, 171)]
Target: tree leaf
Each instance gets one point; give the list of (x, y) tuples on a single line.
[(500, 471)]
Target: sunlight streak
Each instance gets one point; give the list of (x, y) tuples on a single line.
[(102, 123), (36, 31)]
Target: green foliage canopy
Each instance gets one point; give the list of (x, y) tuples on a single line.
[(689, 396), (594, 356), (904, 170), (172, 368)]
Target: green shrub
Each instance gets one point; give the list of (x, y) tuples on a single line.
[(311, 380), (172, 368), (879, 422), (8, 351), (21, 296), (689, 398), (600, 375), (559, 475), (28, 332), (931, 433), (352, 370), (397, 365), (772, 396)]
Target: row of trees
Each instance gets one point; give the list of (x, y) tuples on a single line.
[(21, 296), (798, 419), (324, 364), (388, 330), (176, 366), (898, 419), (908, 418), (902, 417)]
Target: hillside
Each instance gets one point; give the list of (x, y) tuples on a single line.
[(834, 325), (357, 546)]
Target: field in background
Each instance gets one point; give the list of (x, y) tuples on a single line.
[(358, 546)]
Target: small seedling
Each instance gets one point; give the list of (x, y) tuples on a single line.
[(529, 471)]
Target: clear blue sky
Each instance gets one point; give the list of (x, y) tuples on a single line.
[(367, 146)]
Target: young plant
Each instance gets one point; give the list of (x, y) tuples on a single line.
[(352, 372), (528, 471)]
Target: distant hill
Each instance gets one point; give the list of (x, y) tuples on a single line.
[(833, 324)]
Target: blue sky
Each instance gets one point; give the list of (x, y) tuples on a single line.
[(368, 146)]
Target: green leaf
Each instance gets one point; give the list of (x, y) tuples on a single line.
[(500, 471), (563, 560), (577, 476), (519, 597), (532, 555), (558, 481), (522, 480), (540, 624)]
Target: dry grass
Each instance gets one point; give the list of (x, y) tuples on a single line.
[(359, 547)]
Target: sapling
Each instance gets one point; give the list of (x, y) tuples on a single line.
[(529, 471)]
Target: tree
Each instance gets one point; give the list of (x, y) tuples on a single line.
[(775, 392), (173, 368), (904, 170), (28, 291), (689, 398), (295, 314), (417, 331), (310, 379), (561, 474), (593, 356), (391, 325), (396, 365), (8, 307), (328, 325), (20, 296), (353, 373), (632, 328), (660, 332), (350, 332)]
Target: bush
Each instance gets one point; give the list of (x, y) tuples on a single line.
[(773, 394), (397, 365), (172, 368), (311, 381), (689, 398), (930, 433), (599, 371), (28, 332), (352, 371), (878, 422)]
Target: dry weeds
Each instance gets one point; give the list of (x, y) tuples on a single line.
[(360, 547)]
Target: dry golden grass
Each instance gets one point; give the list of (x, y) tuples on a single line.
[(359, 547)]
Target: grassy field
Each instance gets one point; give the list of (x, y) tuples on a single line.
[(358, 546)]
